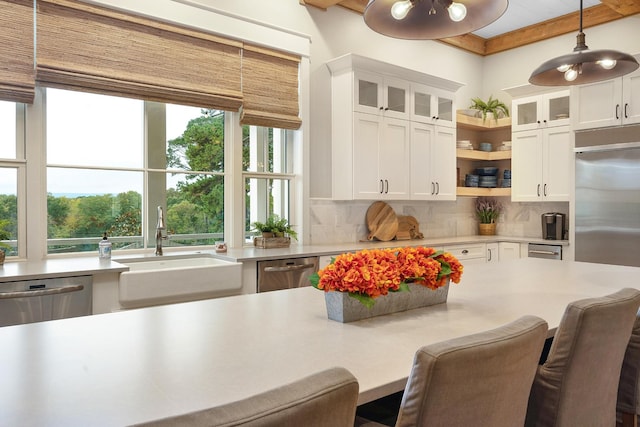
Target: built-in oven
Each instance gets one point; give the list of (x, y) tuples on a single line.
[(287, 273), (537, 250), (38, 300)]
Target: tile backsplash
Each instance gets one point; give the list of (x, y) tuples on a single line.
[(344, 221)]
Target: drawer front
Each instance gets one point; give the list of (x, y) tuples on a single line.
[(466, 252)]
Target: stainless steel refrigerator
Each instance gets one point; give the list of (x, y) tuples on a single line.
[(607, 205)]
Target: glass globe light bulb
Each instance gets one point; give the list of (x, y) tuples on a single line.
[(563, 68), (607, 64), (400, 9), (571, 74), (457, 12)]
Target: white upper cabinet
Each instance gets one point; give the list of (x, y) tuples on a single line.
[(540, 111), (541, 162), (373, 109), (432, 106), (609, 103), (433, 162), (381, 95), (382, 160)]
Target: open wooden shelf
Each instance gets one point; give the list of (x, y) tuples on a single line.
[(477, 191), (483, 155), (477, 123)]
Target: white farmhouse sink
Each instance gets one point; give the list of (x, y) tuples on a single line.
[(171, 279)]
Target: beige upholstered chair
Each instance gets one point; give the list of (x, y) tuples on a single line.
[(577, 384), (628, 406), (477, 380), (325, 399)]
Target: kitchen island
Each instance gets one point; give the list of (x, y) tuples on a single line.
[(126, 367)]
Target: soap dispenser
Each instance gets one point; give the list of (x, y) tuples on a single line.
[(104, 248)]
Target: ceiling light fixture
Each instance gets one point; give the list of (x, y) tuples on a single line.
[(431, 19), (583, 65)]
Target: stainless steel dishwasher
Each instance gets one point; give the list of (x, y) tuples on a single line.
[(285, 273), (31, 301), (545, 251)]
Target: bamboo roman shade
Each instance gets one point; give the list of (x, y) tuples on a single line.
[(91, 48), (269, 88), (16, 51)]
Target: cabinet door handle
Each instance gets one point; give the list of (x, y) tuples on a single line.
[(538, 190), (545, 190), (489, 259), (386, 182), (433, 188), (437, 188), (617, 111), (626, 115), (381, 186)]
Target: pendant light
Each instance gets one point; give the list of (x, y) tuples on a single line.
[(583, 65), (431, 19)]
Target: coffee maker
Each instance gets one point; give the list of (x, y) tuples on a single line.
[(553, 225)]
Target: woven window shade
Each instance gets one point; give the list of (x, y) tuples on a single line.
[(269, 88), (17, 80), (95, 49)]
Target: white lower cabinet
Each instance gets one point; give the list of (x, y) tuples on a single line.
[(469, 254), (508, 250), (493, 252)]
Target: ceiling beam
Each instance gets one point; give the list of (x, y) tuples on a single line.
[(608, 11)]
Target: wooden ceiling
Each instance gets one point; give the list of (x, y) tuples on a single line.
[(608, 10)]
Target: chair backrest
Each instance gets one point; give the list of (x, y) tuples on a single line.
[(629, 388), (578, 383), (326, 399), (477, 380)]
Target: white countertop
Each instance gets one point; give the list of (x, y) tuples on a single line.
[(121, 368), (86, 265), (59, 267), (295, 251)]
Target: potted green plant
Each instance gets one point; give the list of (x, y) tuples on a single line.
[(4, 235), (275, 227), (493, 107), (488, 209)]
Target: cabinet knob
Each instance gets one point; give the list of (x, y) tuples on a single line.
[(465, 251), (386, 108), (381, 108)]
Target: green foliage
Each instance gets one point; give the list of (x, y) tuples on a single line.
[(494, 106), (4, 233), (488, 209), (275, 224)]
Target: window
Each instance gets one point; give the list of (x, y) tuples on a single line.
[(267, 165), (11, 174), (112, 161)]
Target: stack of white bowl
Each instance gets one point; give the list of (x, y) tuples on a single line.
[(506, 146), (464, 144)]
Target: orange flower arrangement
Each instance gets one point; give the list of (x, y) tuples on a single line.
[(368, 274)]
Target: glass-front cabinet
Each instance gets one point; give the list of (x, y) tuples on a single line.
[(380, 95), (428, 105), (541, 111)]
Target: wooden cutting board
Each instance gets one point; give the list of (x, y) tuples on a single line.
[(382, 222)]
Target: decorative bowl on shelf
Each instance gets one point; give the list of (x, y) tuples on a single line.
[(486, 146), (486, 171)]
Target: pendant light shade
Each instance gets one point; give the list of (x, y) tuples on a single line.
[(431, 19), (583, 65)]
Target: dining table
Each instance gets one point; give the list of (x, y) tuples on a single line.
[(137, 365)]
